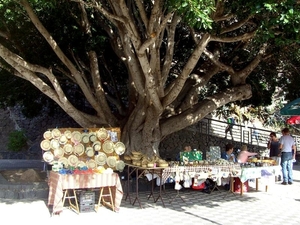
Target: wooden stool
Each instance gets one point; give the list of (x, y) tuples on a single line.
[(67, 195), (102, 196)]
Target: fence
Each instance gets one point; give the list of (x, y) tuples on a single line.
[(240, 133)]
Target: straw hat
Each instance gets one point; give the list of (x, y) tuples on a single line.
[(76, 137), (93, 137), (58, 153), (111, 161), (64, 161), (45, 145), (79, 149), (108, 147), (102, 134), (68, 134), (119, 148), (91, 164), (89, 151), (85, 138), (97, 145), (54, 143), (120, 165), (47, 135), (55, 133), (80, 164), (68, 149), (63, 139), (48, 157), (101, 158), (72, 160)]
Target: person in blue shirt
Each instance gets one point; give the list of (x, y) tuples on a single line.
[(228, 153)]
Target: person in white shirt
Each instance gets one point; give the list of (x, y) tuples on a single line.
[(287, 145)]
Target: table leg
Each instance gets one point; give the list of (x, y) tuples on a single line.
[(242, 187), (177, 195), (128, 183), (137, 188), (152, 186), (256, 184), (160, 190)]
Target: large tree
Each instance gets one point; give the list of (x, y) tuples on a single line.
[(151, 67)]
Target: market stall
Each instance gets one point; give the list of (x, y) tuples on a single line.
[(83, 158), (265, 173), (59, 182), (178, 173), (153, 172)]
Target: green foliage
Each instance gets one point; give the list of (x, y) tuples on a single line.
[(194, 12), (16, 141)]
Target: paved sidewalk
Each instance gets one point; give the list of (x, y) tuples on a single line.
[(280, 205)]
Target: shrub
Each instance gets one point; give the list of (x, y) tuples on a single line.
[(16, 141)]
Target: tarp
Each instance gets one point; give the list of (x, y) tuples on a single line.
[(293, 120), (291, 109)]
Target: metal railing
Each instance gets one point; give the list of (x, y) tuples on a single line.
[(240, 133)]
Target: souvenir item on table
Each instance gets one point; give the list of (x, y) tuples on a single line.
[(57, 166), (76, 137), (177, 180), (68, 134), (68, 149), (187, 181), (162, 163), (80, 164), (214, 153), (113, 136), (119, 148), (111, 161), (91, 164), (54, 143), (45, 145), (56, 133), (58, 153), (108, 147), (47, 135), (120, 165), (97, 145), (48, 157), (85, 138), (79, 149), (72, 160), (101, 158), (63, 139), (64, 161), (92, 137), (89, 151), (191, 156), (102, 134)]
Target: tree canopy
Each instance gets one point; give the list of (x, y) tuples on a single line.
[(151, 67)]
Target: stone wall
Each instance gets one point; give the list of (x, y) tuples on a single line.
[(12, 119), (174, 143)]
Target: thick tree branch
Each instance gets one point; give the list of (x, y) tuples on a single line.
[(203, 108), (62, 56), (189, 66)]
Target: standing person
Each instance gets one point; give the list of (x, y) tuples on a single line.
[(287, 144), (244, 154), (228, 153), (231, 122), (273, 145)]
